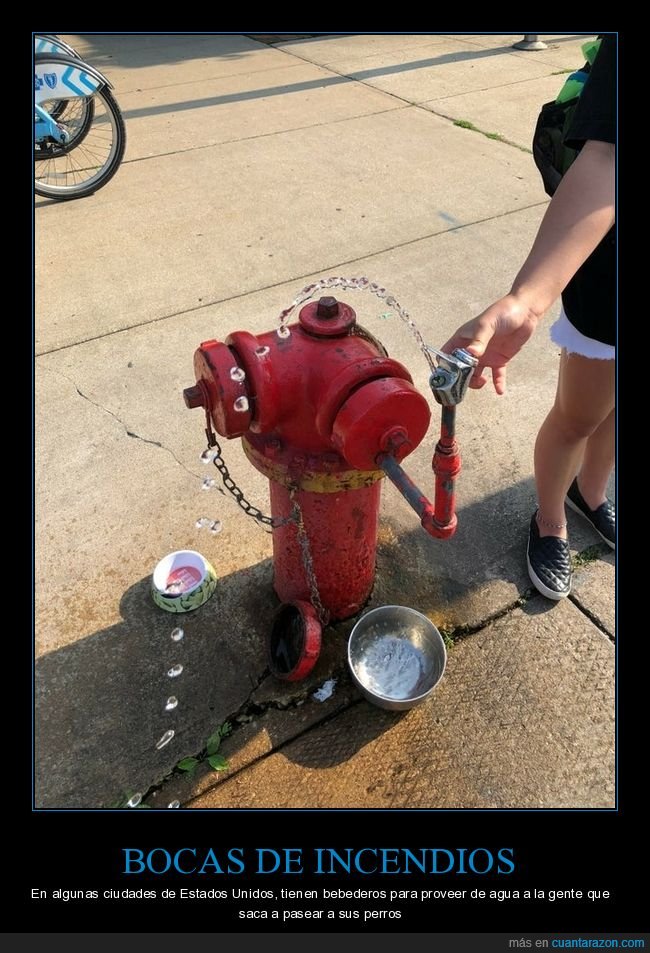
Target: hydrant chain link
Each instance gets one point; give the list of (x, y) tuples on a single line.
[(296, 517), (307, 561), (234, 490)]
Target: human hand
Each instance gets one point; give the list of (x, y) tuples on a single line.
[(494, 337)]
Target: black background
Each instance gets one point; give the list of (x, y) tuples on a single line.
[(600, 850)]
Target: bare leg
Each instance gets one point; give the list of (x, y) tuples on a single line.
[(598, 463), (584, 403)]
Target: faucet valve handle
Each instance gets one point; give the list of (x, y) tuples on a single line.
[(450, 379)]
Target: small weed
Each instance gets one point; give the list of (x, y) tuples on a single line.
[(217, 762), (466, 124), (588, 555), (447, 638), (187, 766)]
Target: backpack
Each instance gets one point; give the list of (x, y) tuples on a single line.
[(552, 157)]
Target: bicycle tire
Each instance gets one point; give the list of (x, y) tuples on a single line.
[(72, 156)]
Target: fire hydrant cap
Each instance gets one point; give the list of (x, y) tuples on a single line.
[(385, 415), (294, 642)]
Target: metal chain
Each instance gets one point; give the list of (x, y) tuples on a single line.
[(307, 561), (296, 517), (253, 511)]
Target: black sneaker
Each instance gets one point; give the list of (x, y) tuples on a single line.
[(549, 563), (603, 518)]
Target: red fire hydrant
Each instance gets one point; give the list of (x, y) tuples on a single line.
[(324, 413)]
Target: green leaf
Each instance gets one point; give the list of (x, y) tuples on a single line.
[(187, 764), (213, 742), (218, 763), (225, 729)]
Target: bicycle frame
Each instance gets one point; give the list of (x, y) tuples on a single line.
[(46, 128)]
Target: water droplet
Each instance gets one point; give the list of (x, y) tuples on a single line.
[(174, 804), (287, 311), (373, 286), (262, 351), (241, 405), (171, 703), (237, 374), (283, 333), (178, 634), (166, 738), (207, 456), (362, 283), (215, 527), (208, 483), (391, 302), (175, 671), (202, 522), (134, 800)]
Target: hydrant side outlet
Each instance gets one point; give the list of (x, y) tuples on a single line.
[(376, 411)]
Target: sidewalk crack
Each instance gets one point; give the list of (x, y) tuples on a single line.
[(129, 433), (592, 617)]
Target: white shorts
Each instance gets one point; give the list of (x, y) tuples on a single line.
[(565, 335)]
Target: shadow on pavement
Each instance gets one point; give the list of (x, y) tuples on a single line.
[(151, 49), (100, 702)]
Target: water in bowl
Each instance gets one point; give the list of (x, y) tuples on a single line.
[(391, 667)]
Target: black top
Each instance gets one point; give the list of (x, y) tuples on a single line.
[(590, 297)]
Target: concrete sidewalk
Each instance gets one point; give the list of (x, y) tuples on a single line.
[(251, 169)]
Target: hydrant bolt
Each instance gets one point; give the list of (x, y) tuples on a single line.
[(328, 307), (193, 396)]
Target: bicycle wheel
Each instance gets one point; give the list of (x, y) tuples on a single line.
[(94, 144)]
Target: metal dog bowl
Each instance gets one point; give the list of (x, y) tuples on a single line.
[(396, 656)]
